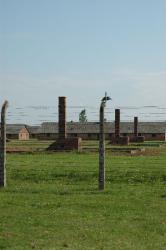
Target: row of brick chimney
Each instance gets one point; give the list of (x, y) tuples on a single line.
[(117, 124), (62, 120)]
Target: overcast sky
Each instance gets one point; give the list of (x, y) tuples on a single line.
[(80, 49)]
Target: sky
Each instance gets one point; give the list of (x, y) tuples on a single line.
[(80, 49)]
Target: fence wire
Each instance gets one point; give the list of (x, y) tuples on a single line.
[(35, 115)]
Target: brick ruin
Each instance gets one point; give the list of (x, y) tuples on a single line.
[(118, 139), (63, 143), (117, 123), (136, 126), (62, 118), (136, 138)]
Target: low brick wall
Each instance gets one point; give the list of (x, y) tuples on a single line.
[(138, 139), (148, 137), (111, 136), (156, 137), (121, 140), (68, 144)]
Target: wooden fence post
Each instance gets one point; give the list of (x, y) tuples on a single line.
[(3, 146)]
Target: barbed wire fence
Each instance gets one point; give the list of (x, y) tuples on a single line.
[(115, 170), (35, 115)]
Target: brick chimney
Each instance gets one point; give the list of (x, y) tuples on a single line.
[(62, 118), (135, 126), (117, 123)]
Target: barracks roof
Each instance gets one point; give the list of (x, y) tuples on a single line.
[(93, 127)]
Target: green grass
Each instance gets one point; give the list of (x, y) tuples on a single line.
[(36, 145), (52, 202), (32, 144)]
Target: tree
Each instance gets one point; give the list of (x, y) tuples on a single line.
[(82, 116)]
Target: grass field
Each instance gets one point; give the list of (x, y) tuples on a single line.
[(38, 145), (52, 202)]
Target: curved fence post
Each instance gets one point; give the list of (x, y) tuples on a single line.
[(3, 146), (101, 179)]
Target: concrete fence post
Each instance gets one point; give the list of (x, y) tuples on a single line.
[(3, 146), (101, 179), (101, 150)]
